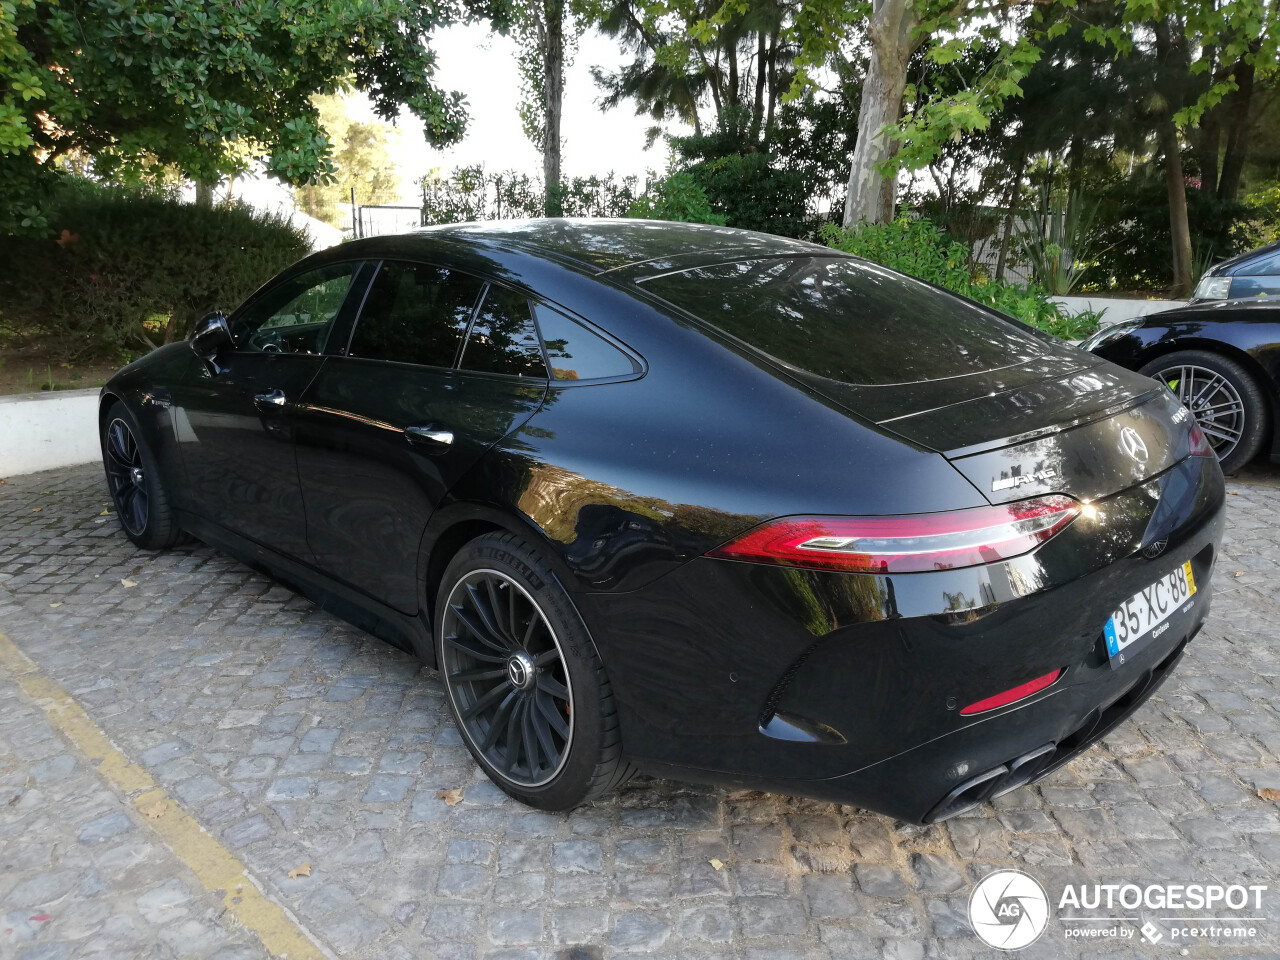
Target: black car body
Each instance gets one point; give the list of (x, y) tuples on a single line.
[(1252, 274), (641, 467), (1236, 343)]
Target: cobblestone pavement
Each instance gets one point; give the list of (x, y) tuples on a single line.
[(291, 736)]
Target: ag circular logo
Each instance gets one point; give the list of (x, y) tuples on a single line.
[(1009, 910)]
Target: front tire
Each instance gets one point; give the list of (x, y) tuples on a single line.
[(1223, 396), (526, 688), (134, 482)]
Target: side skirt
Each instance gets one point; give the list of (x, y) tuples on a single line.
[(409, 633)]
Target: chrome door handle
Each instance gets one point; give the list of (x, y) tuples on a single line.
[(429, 436), (270, 399)]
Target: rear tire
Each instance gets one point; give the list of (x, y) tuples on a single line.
[(134, 482), (526, 688), (1225, 399)]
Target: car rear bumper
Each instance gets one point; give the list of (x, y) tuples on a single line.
[(850, 687)]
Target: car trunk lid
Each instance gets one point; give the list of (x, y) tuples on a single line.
[(1063, 423)]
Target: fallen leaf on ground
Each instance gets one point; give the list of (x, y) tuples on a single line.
[(128, 583), (105, 513), (55, 605), (155, 811), (1267, 793), (301, 870), (37, 509), (41, 918), (718, 864), (319, 679), (451, 797), (1239, 573)]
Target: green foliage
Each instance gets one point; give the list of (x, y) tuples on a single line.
[(363, 159), (1133, 233), (127, 269), (207, 87), (472, 193), (916, 247), (1058, 241), (754, 191), (675, 197)]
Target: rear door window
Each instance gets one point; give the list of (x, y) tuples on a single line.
[(415, 313), (848, 320)]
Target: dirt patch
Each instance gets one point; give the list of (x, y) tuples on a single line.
[(31, 369)]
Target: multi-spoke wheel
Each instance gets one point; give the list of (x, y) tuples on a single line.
[(134, 483), (507, 677), (524, 683), (1223, 397), (126, 476)]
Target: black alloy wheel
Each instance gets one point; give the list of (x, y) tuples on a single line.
[(507, 677), (1223, 397), (127, 477), (134, 482), (524, 682)]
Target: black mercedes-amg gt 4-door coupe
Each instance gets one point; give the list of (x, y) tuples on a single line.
[(693, 501)]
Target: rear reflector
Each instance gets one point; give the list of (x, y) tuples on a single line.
[(909, 543), (1013, 695), (1200, 443)]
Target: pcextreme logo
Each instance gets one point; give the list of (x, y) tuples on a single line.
[(1009, 910)]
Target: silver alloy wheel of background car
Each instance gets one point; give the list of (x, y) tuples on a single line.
[(505, 673), (1212, 400)]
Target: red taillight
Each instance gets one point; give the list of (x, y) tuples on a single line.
[(1200, 443), (1013, 695), (904, 544)]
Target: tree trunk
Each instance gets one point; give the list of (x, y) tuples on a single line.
[(774, 94), (1237, 104), (1208, 136), (553, 83), (1015, 187), (871, 193), (757, 108), (204, 192), (1179, 227), (1174, 179)]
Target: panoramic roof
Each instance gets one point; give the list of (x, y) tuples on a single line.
[(607, 244)]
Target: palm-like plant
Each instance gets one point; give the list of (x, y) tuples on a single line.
[(1056, 240)]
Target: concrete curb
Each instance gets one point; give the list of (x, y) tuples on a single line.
[(41, 431)]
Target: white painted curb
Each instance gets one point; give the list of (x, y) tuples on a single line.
[(1116, 309), (41, 431)]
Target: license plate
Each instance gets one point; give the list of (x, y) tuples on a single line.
[(1142, 617)]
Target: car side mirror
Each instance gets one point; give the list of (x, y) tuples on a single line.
[(211, 336)]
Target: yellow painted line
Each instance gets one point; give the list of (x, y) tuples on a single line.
[(212, 863)]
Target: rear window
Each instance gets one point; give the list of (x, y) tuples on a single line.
[(847, 320)]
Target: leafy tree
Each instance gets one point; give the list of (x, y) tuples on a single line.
[(363, 162), (685, 54), (206, 87), (675, 197), (547, 31)]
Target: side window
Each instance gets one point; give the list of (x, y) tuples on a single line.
[(415, 313), (575, 353), (503, 338), (295, 316)]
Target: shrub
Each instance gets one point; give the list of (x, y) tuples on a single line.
[(1133, 238), (675, 197), (915, 246), (125, 269)]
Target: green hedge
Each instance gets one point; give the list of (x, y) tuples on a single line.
[(915, 246), (123, 270)]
